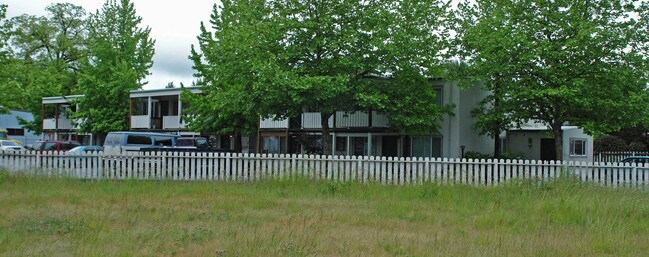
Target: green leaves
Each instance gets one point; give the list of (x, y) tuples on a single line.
[(557, 61), (119, 58)]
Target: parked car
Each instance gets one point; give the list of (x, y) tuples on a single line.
[(636, 159), (8, 145), (119, 142), (192, 143), (55, 145), (86, 149)]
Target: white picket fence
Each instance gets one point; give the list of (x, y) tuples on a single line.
[(616, 156), (250, 167)]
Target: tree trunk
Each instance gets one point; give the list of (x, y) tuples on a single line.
[(326, 139), (558, 141), (237, 142), (496, 145)]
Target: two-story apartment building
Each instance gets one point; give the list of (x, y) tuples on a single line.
[(369, 133), (155, 110), (57, 121), (353, 133)]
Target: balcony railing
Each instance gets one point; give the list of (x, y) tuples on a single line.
[(380, 120), (173, 122), (273, 124), (140, 121), (49, 123), (351, 120), (63, 123), (311, 120)]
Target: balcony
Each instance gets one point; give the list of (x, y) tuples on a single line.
[(65, 123), (49, 123), (380, 120), (173, 122), (352, 120), (140, 122), (311, 120), (273, 124)]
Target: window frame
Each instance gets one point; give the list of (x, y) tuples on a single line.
[(583, 147)]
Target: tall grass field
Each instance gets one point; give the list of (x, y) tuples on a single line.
[(301, 217)]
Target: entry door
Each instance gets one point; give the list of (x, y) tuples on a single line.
[(390, 146), (548, 152)]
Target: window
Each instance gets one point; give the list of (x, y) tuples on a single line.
[(577, 147), (426, 147), (138, 140), (50, 146), (438, 96), (503, 145), (358, 146), (68, 145), (113, 139), (15, 132), (341, 145), (164, 141), (272, 144), (140, 106)]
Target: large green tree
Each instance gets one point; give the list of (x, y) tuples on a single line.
[(557, 61), (341, 55), (42, 57), (120, 55), (280, 58), (4, 60), (227, 63)]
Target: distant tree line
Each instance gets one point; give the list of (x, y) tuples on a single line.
[(102, 56)]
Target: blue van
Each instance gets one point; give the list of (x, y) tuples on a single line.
[(119, 142)]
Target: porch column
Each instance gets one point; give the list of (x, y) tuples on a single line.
[(333, 143), (180, 104), (369, 144), (56, 122), (42, 120), (148, 111)]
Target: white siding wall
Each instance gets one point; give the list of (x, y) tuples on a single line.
[(576, 133)]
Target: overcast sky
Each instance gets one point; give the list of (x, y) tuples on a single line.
[(174, 25)]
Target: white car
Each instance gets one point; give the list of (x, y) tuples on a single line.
[(8, 145)]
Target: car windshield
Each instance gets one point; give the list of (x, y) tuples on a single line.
[(77, 149), (202, 143), (8, 143)]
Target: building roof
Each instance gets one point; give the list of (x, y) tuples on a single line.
[(59, 99), (162, 91)]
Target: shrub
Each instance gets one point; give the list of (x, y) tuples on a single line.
[(637, 146), (477, 155), (610, 144)]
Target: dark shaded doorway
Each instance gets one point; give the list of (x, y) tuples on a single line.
[(390, 146), (548, 152)]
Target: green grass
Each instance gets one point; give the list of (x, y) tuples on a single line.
[(66, 217)]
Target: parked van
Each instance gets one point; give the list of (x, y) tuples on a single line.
[(119, 142)]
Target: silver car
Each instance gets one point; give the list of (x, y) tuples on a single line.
[(8, 145)]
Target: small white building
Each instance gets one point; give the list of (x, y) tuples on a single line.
[(536, 142)]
